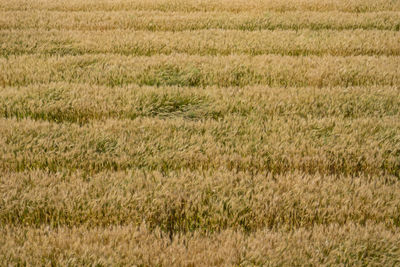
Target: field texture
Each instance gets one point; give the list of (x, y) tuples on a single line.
[(199, 132)]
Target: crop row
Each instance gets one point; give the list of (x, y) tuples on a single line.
[(81, 103), (201, 200), (203, 42), (121, 245), (180, 21), (203, 5), (185, 70), (278, 145)]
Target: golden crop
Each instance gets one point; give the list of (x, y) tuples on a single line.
[(199, 132), (196, 70), (202, 42), (180, 21), (355, 6)]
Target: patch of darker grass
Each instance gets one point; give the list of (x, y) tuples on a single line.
[(178, 104), (169, 75)]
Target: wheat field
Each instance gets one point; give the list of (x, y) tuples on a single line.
[(199, 132)]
